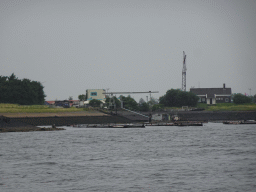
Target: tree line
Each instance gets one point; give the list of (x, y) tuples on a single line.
[(178, 98), (172, 98), (242, 99), (23, 92)]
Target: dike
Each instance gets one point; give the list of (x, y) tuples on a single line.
[(121, 118), (71, 120)]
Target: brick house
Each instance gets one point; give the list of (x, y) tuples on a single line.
[(49, 102), (213, 95)]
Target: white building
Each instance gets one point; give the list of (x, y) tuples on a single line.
[(96, 94)]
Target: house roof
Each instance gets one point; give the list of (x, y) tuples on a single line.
[(211, 91), (50, 102)]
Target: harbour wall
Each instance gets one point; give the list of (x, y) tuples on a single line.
[(71, 120), (184, 115)]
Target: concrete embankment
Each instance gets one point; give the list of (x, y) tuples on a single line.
[(70, 120), (102, 118), (65, 118), (11, 125)]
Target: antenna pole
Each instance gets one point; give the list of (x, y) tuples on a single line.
[(184, 69)]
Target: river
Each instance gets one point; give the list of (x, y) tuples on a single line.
[(214, 157)]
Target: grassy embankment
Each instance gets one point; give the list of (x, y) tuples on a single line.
[(224, 107), (15, 108), (228, 107)]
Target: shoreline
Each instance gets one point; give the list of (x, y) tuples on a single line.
[(25, 122), (11, 125), (58, 114), (28, 129)]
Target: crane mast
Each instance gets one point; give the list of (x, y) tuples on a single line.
[(184, 69)]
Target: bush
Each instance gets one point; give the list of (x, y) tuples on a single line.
[(178, 98), (95, 103), (241, 99), (144, 107), (157, 106)]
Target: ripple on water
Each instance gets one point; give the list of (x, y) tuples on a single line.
[(209, 158)]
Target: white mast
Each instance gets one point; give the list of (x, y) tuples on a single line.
[(184, 69)]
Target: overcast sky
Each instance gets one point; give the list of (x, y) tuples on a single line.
[(74, 45)]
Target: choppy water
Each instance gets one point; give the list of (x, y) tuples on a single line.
[(214, 157)]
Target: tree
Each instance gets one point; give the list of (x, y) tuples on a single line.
[(144, 107), (82, 97), (113, 99), (95, 103), (70, 98), (23, 92), (141, 101), (241, 99), (157, 106), (178, 98), (153, 101), (130, 103)]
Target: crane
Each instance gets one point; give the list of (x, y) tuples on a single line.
[(184, 69)]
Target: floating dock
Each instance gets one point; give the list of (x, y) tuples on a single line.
[(139, 125), (176, 124), (111, 126)]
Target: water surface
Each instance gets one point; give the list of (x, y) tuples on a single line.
[(214, 157)]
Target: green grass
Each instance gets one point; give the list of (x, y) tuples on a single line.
[(229, 107), (224, 107), (202, 105), (15, 108)]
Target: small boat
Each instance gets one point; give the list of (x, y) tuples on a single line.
[(118, 126), (232, 122)]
